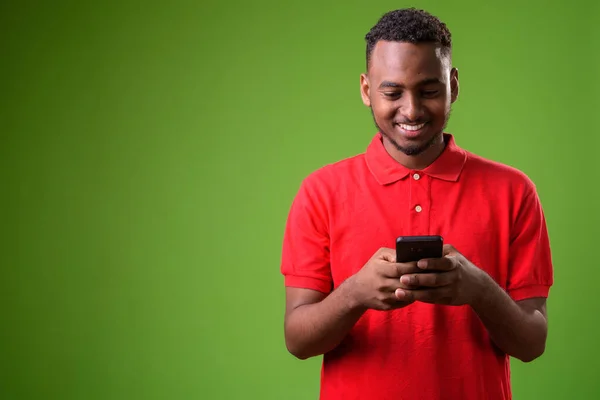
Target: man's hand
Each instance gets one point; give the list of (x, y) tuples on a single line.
[(453, 280), (517, 328), (374, 286), (316, 323)]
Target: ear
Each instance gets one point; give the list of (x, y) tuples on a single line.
[(453, 84), (364, 90)]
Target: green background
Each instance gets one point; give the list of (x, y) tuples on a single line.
[(149, 154)]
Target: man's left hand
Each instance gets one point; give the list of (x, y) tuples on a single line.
[(453, 280)]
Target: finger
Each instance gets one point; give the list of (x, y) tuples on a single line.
[(445, 263), (437, 295), (449, 250), (390, 285), (391, 302), (429, 279), (386, 254), (396, 270)]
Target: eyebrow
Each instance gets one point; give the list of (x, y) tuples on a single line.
[(389, 84)]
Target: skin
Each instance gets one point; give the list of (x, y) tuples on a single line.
[(517, 328), (412, 83)]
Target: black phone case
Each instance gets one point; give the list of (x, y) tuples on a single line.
[(415, 248)]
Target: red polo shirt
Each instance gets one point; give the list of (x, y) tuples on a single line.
[(344, 212)]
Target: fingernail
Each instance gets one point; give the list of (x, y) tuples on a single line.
[(400, 294), (422, 264), (405, 279)]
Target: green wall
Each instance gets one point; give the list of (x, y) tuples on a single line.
[(149, 153)]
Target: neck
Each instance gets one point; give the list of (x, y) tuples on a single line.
[(419, 161)]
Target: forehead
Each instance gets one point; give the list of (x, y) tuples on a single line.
[(402, 61)]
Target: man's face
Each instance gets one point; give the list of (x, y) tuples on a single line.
[(410, 89)]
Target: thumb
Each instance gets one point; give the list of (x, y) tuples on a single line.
[(387, 254)]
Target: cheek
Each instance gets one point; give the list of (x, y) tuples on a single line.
[(385, 110), (439, 109)]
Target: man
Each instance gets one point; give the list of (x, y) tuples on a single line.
[(440, 328)]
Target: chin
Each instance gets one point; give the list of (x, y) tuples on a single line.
[(411, 144)]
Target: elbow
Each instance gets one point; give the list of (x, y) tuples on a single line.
[(529, 357), (535, 347), (296, 350), (300, 356), (532, 353), (295, 346)]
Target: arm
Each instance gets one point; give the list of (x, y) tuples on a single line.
[(517, 328), (316, 323), (516, 317), (316, 318)]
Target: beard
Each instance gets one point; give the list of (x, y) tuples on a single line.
[(416, 149)]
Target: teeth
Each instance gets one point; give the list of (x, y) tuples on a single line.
[(411, 127)]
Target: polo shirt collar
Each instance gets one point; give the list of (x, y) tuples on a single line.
[(386, 170)]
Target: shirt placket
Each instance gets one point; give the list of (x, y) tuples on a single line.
[(420, 202)]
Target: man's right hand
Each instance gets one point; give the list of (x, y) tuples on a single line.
[(316, 322), (374, 286)]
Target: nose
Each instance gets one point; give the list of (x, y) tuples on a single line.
[(411, 108)]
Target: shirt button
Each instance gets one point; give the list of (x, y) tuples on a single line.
[(417, 177), (418, 208)]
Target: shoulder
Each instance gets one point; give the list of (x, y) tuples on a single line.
[(329, 178), (498, 175), (319, 191)]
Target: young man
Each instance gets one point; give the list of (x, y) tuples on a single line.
[(440, 328)]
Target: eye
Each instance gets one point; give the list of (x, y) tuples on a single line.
[(430, 93), (392, 95)]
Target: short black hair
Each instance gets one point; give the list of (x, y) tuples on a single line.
[(409, 25)]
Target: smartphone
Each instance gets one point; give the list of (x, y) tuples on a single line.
[(415, 248)]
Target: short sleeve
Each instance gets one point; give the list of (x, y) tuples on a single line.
[(305, 253), (530, 262)]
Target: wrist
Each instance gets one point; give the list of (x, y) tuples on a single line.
[(349, 296), (485, 290)]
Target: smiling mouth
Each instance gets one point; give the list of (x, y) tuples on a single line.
[(411, 128)]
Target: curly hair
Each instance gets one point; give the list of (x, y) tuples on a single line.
[(409, 25)]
